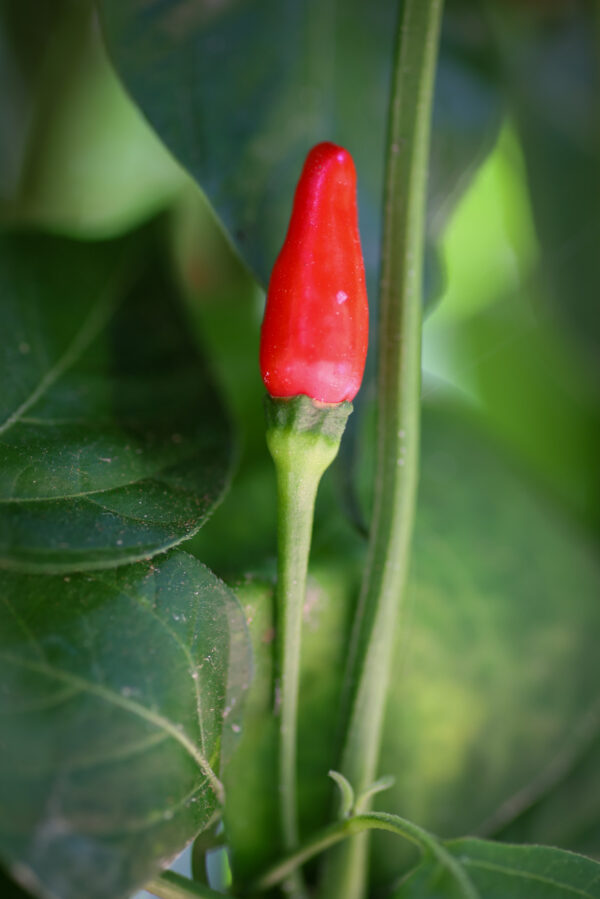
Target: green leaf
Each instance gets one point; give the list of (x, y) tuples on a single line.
[(497, 871), (113, 444), (120, 700), (23, 37), (468, 109), (496, 667), (80, 158), (548, 59), (347, 797), (536, 395), (239, 93), (495, 692), (567, 813)]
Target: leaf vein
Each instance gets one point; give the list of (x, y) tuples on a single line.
[(97, 318), (188, 655), (524, 875), (136, 708), (151, 476)]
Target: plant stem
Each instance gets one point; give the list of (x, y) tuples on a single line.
[(399, 384), (173, 886), (359, 824), (296, 499), (303, 440)]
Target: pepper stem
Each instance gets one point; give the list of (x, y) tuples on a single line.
[(303, 439)]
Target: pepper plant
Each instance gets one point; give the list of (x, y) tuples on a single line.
[(393, 692)]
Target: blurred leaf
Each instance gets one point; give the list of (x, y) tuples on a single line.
[(24, 29), (225, 308), (489, 246), (493, 340), (120, 693), (11, 890), (496, 667), (549, 57), (532, 392), (240, 91), (567, 813), (226, 305), (537, 397), (497, 871), (113, 445), (76, 154), (468, 109)]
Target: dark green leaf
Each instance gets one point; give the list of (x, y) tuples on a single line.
[(496, 667), (24, 30), (240, 91), (120, 698), (497, 871), (113, 444), (75, 153), (567, 814), (549, 57), (9, 889)]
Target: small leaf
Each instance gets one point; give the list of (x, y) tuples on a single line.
[(120, 701), (113, 444), (379, 786), (498, 871), (346, 793)]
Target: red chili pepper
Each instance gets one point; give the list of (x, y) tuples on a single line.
[(315, 329)]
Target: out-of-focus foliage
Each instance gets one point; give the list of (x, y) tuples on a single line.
[(496, 871), (75, 155), (296, 73), (496, 677), (492, 340), (548, 60)]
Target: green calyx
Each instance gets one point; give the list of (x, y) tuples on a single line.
[(301, 432)]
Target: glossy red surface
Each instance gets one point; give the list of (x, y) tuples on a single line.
[(315, 329)]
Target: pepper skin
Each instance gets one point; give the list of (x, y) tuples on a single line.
[(315, 330)]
